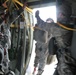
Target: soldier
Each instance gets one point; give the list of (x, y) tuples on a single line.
[(66, 64), (5, 43), (41, 48)]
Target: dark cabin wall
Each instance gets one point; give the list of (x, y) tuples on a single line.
[(74, 9), (40, 3), (73, 47)]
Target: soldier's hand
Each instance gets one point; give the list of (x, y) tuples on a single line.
[(37, 13)]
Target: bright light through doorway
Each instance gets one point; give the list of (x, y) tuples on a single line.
[(45, 12)]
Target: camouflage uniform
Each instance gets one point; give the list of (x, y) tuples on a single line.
[(63, 39), (41, 49), (5, 43), (41, 56), (63, 42), (66, 63)]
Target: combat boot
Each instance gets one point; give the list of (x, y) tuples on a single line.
[(40, 72)]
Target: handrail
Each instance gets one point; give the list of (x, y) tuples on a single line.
[(16, 1), (28, 9), (65, 27)]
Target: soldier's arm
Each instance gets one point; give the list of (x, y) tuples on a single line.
[(39, 20)]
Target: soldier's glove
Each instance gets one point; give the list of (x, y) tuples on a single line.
[(37, 13)]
